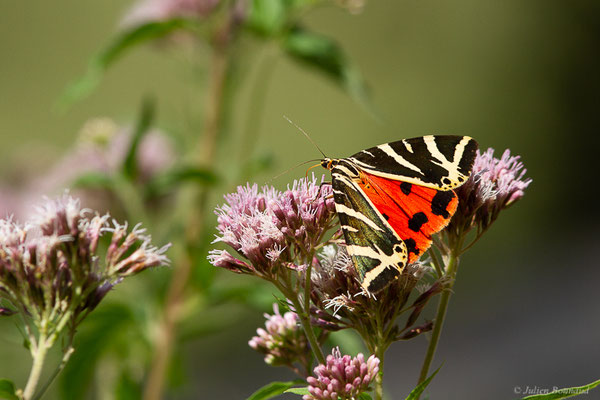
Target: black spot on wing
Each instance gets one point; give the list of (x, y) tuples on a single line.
[(411, 246), (382, 280), (417, 221), (439, 203), (387, 217), (406, 187)]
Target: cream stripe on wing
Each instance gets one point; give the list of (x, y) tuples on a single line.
[(387, 149), (349, 228), (340, 208), (450, 166)]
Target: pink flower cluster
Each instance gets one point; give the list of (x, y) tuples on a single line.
[(161, 10), (271, 228), (282, 341), (54, 261), (342, 377), (494, 185)]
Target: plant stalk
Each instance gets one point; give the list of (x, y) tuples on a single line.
[(205, 156), (441, 314), (304, 316), (69, 351), (39, 356), (379, 353)]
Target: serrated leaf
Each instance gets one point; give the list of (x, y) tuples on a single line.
[(273, 389), (8, 390), (328, 57), (300, 391), (141, 128), (416, 392), (564, 393), (116, 49)]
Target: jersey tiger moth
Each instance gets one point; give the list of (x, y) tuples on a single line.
[(390, 200)]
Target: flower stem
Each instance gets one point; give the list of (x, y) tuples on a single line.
[(39, 356), (304, 316), (379, 353), (292, 295), (68, 352), (451, 269), (205, 157)]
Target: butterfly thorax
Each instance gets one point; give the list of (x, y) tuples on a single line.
[(341, 166)]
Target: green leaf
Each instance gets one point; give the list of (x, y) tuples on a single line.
[(301, 391), (127, 388), (93, 180), (364, 396), (8, 390), (95, 337), (416, 392), (116, 49), (327, 56), (267, 17), (141, 128), (165, 182), (564, 393), (274, 389)]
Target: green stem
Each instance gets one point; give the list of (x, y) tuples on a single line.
[(441, 313), (379, 353), (304, 320), (39, 356), (163, 344), (56, 372)]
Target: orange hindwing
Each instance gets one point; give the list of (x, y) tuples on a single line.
[(414, 212)]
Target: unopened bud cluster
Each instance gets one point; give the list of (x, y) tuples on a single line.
[(342, 377)]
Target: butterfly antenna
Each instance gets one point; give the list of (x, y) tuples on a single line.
[(305, 134), (289, 169)]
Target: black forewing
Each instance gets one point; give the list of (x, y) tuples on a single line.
[(417, 160), (378, 253)]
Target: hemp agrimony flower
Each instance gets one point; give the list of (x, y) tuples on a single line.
[(494, 185), (341, 302), (283, 341), (342, 377), (271, 229), (145, 11), (53, 271), (281, 237)]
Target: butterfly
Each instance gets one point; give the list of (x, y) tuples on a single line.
[(390, 199)]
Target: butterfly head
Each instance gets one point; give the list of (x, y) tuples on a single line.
[(329, 163)]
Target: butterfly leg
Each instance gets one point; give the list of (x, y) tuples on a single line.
[(319, 191)]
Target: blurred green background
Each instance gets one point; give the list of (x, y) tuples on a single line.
[(513, 74)]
